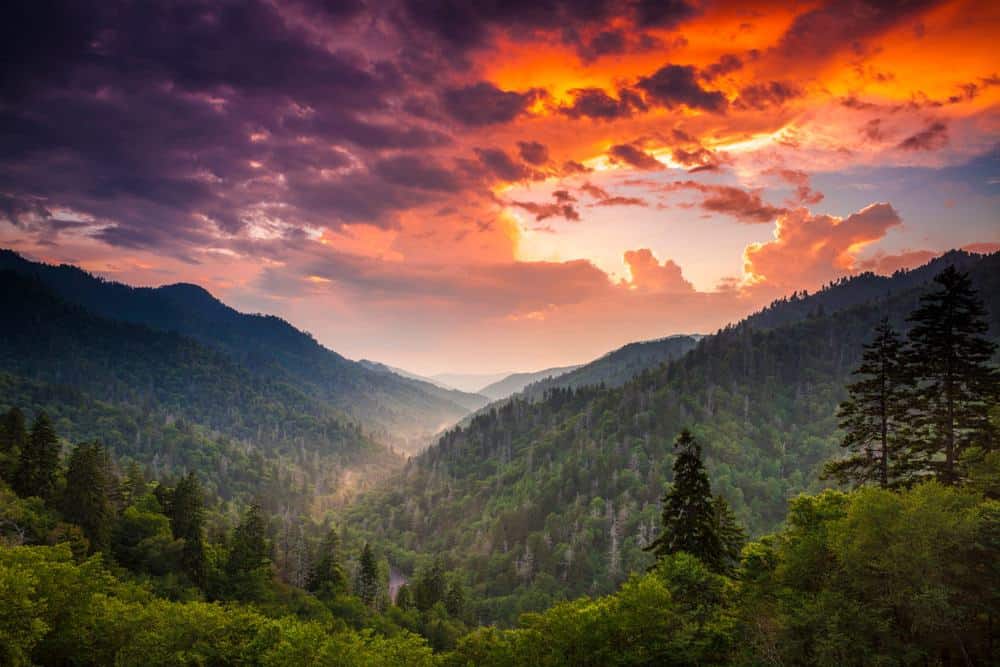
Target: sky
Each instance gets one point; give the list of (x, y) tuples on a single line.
[(485, 186)]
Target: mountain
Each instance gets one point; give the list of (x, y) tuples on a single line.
[(856, 290), (472, 382), (470, 402), (514, 383), (542, 500), (619, 366), (401, 411), (169, 402)]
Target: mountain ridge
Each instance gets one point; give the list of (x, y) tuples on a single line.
[(402, 411)]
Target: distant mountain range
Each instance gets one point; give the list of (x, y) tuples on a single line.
[(471, 382), (553, 493), (398, 410), (618, 366), (516, 382)]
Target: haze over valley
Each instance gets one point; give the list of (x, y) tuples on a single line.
[(380, 332)]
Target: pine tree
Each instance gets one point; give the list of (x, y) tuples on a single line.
[(454, 599), (327, 576), (366, 584), (689, 513), (955, 385), (13, 438), (247, 567), (133, 486), (731, 535), (85, 501), (187, 521), (39, 461), (430, 586), (874, 416), (404, 599)]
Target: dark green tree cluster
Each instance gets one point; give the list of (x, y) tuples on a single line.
[(692, 520), (366, 584), (327, 577), (918, 407), (38, 461)]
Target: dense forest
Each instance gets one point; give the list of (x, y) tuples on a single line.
[(685, 517), (170, 403), (397, 410), (540, 501)]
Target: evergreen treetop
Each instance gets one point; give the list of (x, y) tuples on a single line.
[(874, 415), (955, 386)]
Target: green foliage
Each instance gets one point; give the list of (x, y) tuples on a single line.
[(366, 584), (545, 500), (950, 365), (56, 611), (171, 402), (248, 566), (187, 522), (86, 499), (874, 417), (877, 577), (13, 438), (39, 461), (429, 586), (327, 577), (404, 598), (694, 522), (143, 542), (643, 623)]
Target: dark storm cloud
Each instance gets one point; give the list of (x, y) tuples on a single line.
[(840, 24), (502, 165), (170, 122), (634, 156), (675, 85), (484, 104), (533, 152), (465, 25), (727, 64), (663, 13), (417, 172), (744, 206), (597, 104), (933, 137), (762, 96), (545, 211)]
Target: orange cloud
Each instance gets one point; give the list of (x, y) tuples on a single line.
[(649, 275), (809, 250)]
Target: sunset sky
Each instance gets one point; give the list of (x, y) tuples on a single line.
[(487, 186)]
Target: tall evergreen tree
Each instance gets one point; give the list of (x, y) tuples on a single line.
[(247, 567), (327, 575), (133, 485), (366, 584), (955, 385), (13, 438), (873, 417), (39, 461), (693, 521), (187, 521), (430, 586), (454, 599), (731, 536), (404, 599), (85, 501)]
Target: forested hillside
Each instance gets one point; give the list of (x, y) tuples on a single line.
[(618, 366), (516, 382), (403, 411), (540, 501), (101, 565), (169, 402)]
